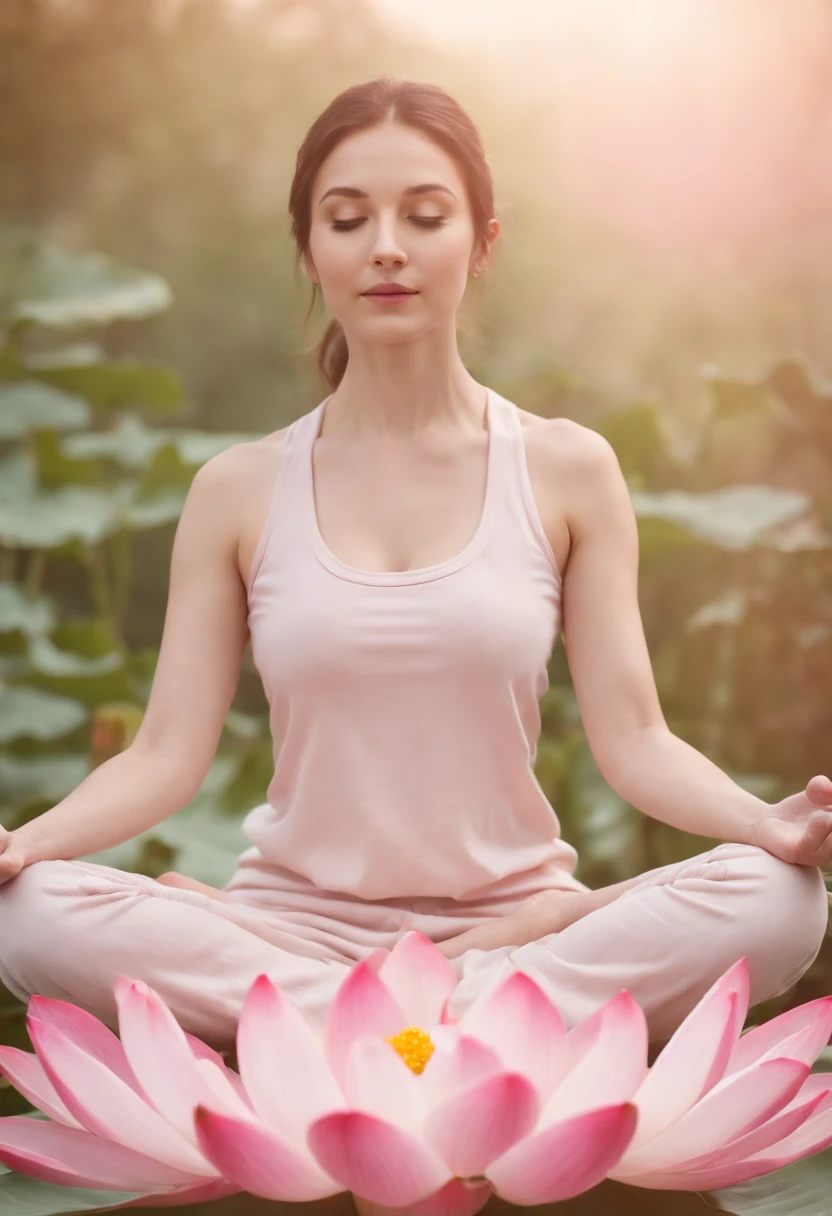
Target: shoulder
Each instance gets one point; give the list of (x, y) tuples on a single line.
[(566, 441), (237, 476), (578, 463), (230, 485), (234, 493), (236, 465)]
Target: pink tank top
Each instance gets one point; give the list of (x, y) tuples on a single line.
[(405, 706)]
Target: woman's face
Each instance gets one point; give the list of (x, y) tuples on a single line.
[(421, 240)]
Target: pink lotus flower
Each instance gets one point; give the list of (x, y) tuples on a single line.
[(718, 1109), (411, 1110), (121, 1111), (505, 1101)]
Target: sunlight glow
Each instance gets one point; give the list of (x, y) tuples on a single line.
[(686, 124), (693, 122)]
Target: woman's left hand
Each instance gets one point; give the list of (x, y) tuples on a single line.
[(799, 828)]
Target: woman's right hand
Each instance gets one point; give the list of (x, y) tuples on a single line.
[(12, 856)]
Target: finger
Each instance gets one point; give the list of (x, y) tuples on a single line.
[(819, 789), (817, 831), (10, 866)]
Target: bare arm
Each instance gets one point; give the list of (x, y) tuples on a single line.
[(639, 756), (637, 753), (196, 676)]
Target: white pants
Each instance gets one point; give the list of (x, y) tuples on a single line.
[(67, 928)]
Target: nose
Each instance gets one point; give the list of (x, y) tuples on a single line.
[(387, 249)]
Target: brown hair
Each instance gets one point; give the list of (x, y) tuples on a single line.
[(426, 108)]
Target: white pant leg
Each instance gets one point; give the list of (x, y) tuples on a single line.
[(68, 928), (670, 937)]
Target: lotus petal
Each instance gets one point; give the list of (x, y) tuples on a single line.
[(275, 1040), (817, 1083), (174, 1082), (201, 1051), (774, 1035), (419, 977), (610, 1047), (87, 1032), (257, 1160), (811, 1137), (68, 1156), (108, 1107), (379, 1082), (517, 1020), (564, 1159), (375, 1159), (732, 1174), (456, 1063), (695, 1057), (759, 1138), (25, 1071), (200, 1192), (476, 1125), (732, 1108), (461, 1198), (362, 1005)]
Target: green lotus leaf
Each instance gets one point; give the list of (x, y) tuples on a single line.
[(28, 406), (802, 1189), (47, 777), (736, 517), (30, 713), (51, 660), (115, 384), (24, 1196), (68, 290), (32, 618)]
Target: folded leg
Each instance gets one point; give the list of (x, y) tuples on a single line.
[(670, 937), (67, 928)]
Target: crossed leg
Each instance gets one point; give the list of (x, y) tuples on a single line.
[(67, 928), (670, 935)]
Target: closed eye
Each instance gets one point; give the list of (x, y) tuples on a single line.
[(427, 221)]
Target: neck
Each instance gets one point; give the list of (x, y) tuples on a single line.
[(398, 392)]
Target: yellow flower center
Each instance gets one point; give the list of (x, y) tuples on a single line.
[(414, 1047)]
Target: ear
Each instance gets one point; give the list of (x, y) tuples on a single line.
[(482, 251), (309, 267)]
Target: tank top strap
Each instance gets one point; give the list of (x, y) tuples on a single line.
[(287, 487), (517, 505), (500, 478), (509, 509)]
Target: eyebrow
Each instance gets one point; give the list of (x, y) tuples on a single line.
[(354, 192)]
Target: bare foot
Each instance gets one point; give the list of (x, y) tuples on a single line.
[(539, 915), (173, 879), (558, 909)]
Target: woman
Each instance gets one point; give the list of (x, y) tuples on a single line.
[(403, 558)]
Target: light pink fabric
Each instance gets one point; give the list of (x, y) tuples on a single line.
[(67, 928), (405, 713), (404, 706)]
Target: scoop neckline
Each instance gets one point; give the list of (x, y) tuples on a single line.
[(422, 574)]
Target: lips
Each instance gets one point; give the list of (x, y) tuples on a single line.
[(390, 289)]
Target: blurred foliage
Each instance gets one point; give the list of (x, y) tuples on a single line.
[(82, 473), (166, 133)]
